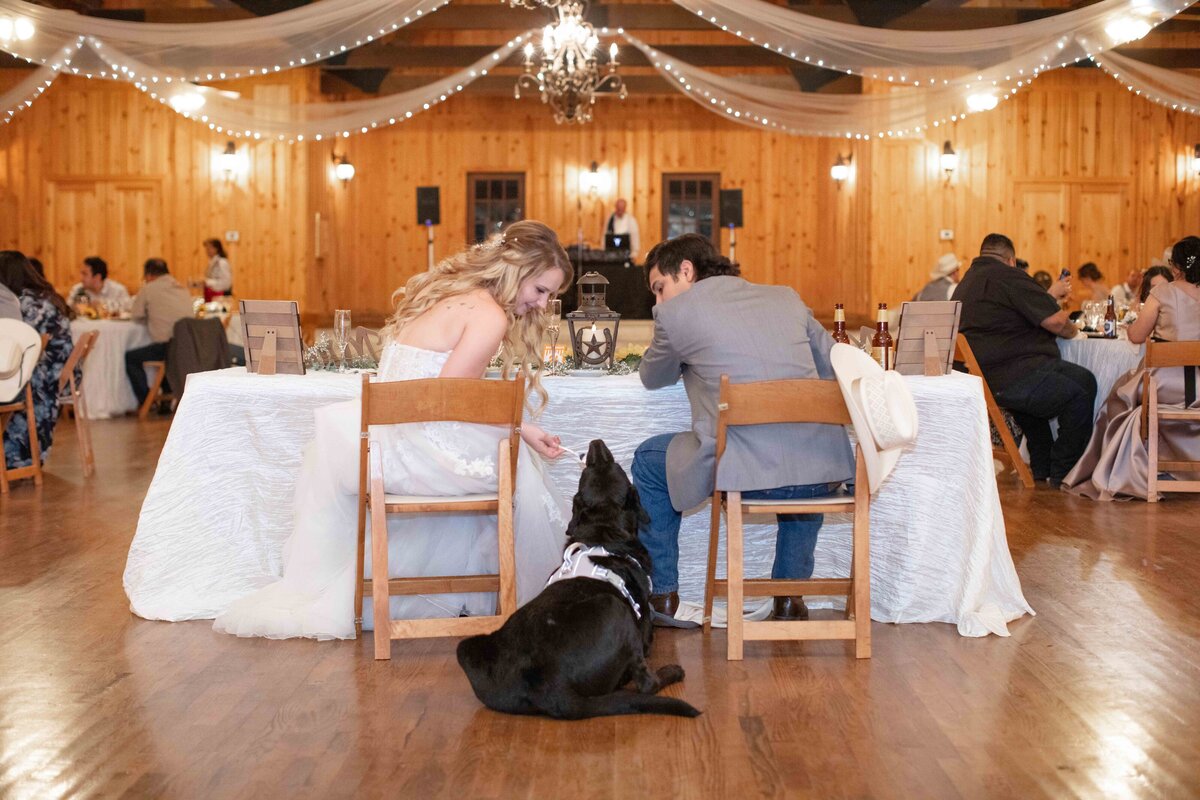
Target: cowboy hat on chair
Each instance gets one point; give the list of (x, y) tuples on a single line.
[(20, 349)]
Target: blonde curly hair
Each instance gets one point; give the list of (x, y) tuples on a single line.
[(500, 265)]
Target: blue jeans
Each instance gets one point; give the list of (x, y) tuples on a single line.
[(794, 544)]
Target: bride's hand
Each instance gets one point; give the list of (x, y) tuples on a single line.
[(545, 444)]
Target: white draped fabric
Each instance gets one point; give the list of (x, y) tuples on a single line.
[(202, 51), (1168, 87), (900, 55), (220, 506), (104, 380), (1107, 359), (903, 110)]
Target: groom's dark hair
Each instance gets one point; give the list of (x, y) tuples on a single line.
[(708, 262)]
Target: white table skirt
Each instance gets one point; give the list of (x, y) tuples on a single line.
[(104, 380), (1108, 360), (228, 469)]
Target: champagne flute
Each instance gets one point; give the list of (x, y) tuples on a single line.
[(341, 335), (553, 321)]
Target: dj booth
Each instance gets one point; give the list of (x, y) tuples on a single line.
[(628, 293)]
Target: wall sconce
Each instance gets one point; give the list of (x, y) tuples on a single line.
[(948, 159), (593, 181), (842, 170), (1196, 160), (227, 162), (343, 170)]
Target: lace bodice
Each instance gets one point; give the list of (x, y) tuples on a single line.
[(402, 362)]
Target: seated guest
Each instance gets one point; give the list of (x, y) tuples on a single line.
[(1126, 293), (1041, 278), (708, 321), (1011, 323), (161, 303), (1092, 279), (1116, 462), (1022, 265), (95, 287), (1155, 276), (943, 279), (42, 308)]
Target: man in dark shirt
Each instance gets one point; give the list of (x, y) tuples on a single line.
[(1011, 324)]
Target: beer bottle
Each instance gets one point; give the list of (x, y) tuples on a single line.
[(1110, 319), (881, 342), (839, 324)]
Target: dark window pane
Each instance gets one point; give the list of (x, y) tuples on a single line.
[(510, 190), (496, 190), (480, 190), (706, 189), (689, 189), (676, 188)]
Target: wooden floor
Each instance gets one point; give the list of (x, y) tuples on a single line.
[(1096, 696)]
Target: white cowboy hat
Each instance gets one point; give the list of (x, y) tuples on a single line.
[(945, 265), (881, 408), (20, 349)]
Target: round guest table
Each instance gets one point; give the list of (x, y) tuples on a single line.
[(1107, 359), (104, 380), (219, 509)]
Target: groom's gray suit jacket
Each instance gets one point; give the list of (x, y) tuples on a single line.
[(726, 325)]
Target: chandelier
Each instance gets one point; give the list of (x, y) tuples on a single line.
[(567, 74)]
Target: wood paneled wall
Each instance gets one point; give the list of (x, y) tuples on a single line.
[(1076, 168)]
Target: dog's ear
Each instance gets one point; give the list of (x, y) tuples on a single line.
[(633, 502), (576, 510)]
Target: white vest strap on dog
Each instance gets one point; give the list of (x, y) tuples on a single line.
[(577, 563)]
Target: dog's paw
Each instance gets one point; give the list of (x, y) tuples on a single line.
[(671, 673)]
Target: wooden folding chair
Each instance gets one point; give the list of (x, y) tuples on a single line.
[(764, 403), (1162, 355), (499, 403), (1010, 453), (25, 404), (70, 395), (156, 393)]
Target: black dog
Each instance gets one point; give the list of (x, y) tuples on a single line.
[(568, 652)]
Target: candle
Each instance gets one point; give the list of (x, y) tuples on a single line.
[(591, 335)]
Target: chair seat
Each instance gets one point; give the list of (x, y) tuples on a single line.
[(839, 497), (413, 499)]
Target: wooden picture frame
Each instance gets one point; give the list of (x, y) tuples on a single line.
[(926, 335), (271, 333)]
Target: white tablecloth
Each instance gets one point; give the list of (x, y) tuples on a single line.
[(227, 473), (1108, 360), (104, 380)]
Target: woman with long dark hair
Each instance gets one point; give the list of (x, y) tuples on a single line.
[(218, 277), (46, 311), (1116, 462)]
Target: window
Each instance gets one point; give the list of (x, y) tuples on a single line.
[(496, 200), (690, 204)]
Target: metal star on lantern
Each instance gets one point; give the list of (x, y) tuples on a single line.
[(567, 75)]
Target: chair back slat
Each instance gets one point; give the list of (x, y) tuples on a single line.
[(1172, 354), (444, 400), (767, 402)]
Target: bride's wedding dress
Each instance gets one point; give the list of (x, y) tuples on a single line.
[(315, 597)]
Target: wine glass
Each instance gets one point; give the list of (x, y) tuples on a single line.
[(553, 323), (341, 335)]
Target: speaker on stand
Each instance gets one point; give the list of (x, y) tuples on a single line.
[(731, 216), (429, 213)]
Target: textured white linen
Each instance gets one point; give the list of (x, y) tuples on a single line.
[(104, 380), (1107, 359), (227, 473)]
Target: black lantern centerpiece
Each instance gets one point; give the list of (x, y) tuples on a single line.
[(593, 325)]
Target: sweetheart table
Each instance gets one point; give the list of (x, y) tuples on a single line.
[(228, 469)]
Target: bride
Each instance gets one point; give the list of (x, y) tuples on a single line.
[(448, 323)]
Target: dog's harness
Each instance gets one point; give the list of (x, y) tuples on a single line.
[(577, 563)]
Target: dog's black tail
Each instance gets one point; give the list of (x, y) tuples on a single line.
[(608, 705)]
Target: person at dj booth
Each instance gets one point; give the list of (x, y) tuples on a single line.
[(621, 223)]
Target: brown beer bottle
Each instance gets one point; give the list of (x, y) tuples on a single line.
[(1110, 319), (881, 342), (839, 324)]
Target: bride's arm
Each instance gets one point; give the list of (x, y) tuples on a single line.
[(483, 332)]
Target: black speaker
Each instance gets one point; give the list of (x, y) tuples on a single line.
[(731, 208), (428, 206)]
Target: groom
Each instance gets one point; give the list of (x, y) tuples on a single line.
[(708, 321)]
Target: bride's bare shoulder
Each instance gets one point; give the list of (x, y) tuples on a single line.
[(474, 305)]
